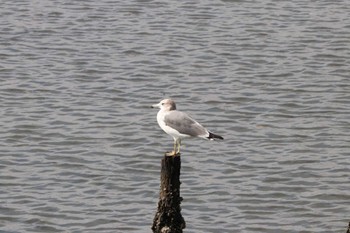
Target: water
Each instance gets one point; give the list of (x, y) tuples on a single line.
[(81, 149)]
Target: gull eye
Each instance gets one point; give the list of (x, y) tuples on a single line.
[(162, 103)]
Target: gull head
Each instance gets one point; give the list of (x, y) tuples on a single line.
[(166, 105)]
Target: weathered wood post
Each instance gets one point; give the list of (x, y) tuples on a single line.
[(168, 218)]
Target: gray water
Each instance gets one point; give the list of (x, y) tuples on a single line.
[(81, 149)]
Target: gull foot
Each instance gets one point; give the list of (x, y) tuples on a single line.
[(172, 153)]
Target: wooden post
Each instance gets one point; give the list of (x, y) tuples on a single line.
[(168, 218)]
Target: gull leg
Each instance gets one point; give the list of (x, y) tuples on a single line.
[(178, 146), (172, 153)]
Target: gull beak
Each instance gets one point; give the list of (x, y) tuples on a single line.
[(155, 106)]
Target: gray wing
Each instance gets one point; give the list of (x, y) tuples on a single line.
[(184, 124)]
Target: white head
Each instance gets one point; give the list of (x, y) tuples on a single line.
[(166, 105)]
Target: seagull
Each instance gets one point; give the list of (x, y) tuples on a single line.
[(179, 125)]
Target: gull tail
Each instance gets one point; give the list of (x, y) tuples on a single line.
[(214, 136)]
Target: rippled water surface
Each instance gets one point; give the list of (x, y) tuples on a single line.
[(81, 149)]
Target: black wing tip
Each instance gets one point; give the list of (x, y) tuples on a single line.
[(214, 136)]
